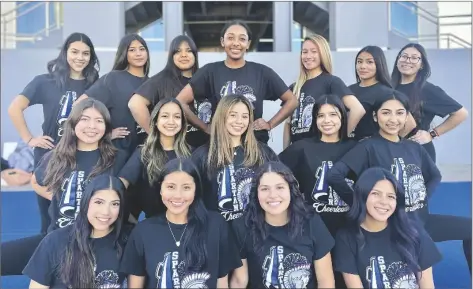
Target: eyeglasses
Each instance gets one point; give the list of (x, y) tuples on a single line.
[(412, 59)]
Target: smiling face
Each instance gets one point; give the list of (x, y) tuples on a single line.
[(184, 59), (78, 56), (391, 117), (365, 66), (104, 208), (137, 55), (169, 121), (409, 61), (274, 194), (178, 192), (381, 201), (238, 119), (90, 128), (329, 120), (310, 55), (235, 42)]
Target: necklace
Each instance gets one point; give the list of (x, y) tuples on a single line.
[(178, 243)]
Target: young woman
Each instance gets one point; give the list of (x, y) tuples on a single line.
[(282, 243), (372, 81), (84, 151), (185, 247), (86, 254), (382, 247), (235, 75), (74, 70), (411, 165), (410, 73), (227, 164), (310, 160), (182, 64), (316, 79), (165, 142), (114, 89)]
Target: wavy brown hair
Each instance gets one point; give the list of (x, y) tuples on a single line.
[(221, 151), (63, 156), (152, 154)]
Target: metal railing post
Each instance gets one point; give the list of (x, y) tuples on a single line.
[(46, 16)]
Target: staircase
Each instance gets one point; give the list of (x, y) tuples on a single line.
[(313, 15)]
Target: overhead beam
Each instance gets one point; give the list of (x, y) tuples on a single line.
[(203, 7), (248, 8)]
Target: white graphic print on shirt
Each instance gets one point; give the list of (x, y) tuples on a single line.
[(394, 275), (414, 185)]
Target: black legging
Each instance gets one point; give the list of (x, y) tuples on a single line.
[(17, 253), (448, 228)]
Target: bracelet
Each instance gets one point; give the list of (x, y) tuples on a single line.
[(29, 140)]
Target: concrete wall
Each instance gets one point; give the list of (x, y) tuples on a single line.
[(427, 27), (451, 70)]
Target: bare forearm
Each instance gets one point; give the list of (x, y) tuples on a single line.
[(452, 121), (354, 117), (19, 122), (284, 112), (286, 135), (193, 119)]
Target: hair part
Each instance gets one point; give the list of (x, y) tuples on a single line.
[(337, 102), (63, 156)]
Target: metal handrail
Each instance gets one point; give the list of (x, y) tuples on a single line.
[(435, 19)]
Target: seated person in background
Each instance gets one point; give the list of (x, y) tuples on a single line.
[(17, 170)]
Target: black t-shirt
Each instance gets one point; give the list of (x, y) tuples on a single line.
[(227, 190), (152, 252), (44, 263), (283, 262), (65, 205), (115, 90), (202, 108), (368, 96), (57, 104), (434, 102), (407, 160), (255, 81), (310, 160), (313, 89), (379, 263), (135, 173)]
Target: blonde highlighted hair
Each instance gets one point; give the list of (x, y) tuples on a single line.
[(221, 150), (323, 49)]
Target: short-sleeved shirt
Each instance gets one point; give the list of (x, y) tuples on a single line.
[(255, 81), (56, 102), (152, 252), (378, 262), (283, 262), (65, 205), (310, 160), (311, 91), (367, 96), (227, 190), (43, 265), (115, 90)]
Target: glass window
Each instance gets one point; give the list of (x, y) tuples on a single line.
[(153, 34), (296, 44), (404, 18), (34, 19)]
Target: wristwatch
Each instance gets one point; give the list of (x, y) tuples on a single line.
[(433, 133)]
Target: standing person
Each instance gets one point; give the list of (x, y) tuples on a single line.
[(282, 243), (310, 160), (84, 152), (316, 79), (381, 247), (183, 62), (410, 73), (166, 141), (86, 254), (372, 81), (184, 247), (227, 164), (410, 163), (74, 70), (130, 70), (235, 75)]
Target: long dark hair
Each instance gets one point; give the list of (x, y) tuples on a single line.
[(60, 69), (194, 239), (63, 156), (153, 155), (76, 268), (298, 212), (337, 102), (382, 72), (170, 77), (421, 78), (405, 231), (121, 57)]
